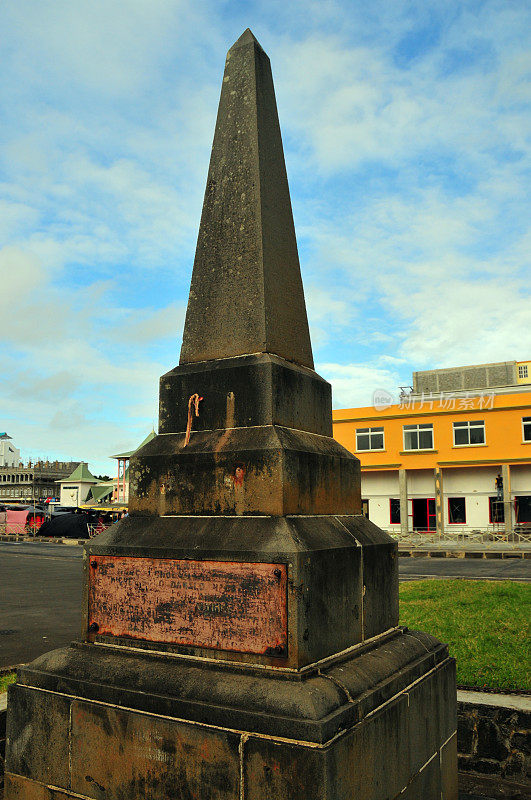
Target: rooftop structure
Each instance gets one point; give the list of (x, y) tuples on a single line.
[(500, 377)]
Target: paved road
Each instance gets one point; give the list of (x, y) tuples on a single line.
[(494, 569), (40, 592), (40, 599)]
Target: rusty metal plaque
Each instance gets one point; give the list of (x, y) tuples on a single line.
[(224, 605)]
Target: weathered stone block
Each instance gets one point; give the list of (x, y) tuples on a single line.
[(38, 735), (380, 576), (514, 767), (264, 470), (448, 759), (466, 729), (491, 743), (427, 733), (487, 766), (335, 733), (18, 788), (371, 762), (285, 770), (522, 741), (248, 391), (158, 758), (426, 784)]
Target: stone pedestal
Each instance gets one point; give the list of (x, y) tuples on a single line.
[(240, 635), (375, 722)]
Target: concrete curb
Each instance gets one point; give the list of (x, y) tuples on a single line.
[(41, 539), (433, 552), (517, 702)]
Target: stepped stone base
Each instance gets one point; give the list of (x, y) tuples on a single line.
[(375, 723)]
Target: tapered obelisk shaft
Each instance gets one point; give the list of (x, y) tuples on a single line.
[(246, 294)]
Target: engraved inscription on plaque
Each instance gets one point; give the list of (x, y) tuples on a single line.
[(214, 604)]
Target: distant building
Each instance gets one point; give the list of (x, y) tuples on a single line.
[(32, 482), (100, 493), (453, 455), (9, 454), (75, 488), (121, 493)]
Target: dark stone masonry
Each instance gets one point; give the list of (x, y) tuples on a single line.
[(494, 740)]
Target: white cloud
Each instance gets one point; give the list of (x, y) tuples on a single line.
[(465, 322), (354, 385)]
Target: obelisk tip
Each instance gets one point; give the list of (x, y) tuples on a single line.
[(246, 295), (246, 38)]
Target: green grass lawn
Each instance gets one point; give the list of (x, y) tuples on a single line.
[(5, 680), (486, 624)]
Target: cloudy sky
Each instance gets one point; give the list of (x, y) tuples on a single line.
[(405, 128)]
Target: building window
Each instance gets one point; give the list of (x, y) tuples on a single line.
[(522, 509), (469, 433), (526, 428), (523, 371), (394, 510), (365, 508), (496, 510), (456, 511), (369, 439), (418, 437)]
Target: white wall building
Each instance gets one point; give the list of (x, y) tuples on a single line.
[(9, 454), (75, 488)]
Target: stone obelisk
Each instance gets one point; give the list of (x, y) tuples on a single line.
[(240, 635)]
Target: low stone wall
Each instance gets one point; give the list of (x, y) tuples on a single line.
[(493, 736)]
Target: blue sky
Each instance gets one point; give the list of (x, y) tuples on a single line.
[(406, 135)]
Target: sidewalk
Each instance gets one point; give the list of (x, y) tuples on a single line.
[(462, 550), (17, 537)]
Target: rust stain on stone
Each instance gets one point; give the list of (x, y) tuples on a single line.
[(239, 474), (223, 605), (157, 758)]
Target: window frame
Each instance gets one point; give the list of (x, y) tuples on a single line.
[(466, 425), (464, 510), (523, 371), (517, 499), (391, 501), (378, 430), (526, 422), (492, 499), (417, 428)]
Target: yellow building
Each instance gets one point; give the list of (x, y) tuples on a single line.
[(450, 460)]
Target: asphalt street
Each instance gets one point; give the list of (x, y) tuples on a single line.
[(40, 599), (40, 592)]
